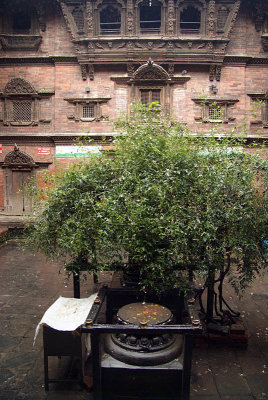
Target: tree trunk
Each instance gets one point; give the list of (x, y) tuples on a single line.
[(210, 293)]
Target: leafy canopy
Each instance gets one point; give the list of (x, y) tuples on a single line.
[(165, 203)]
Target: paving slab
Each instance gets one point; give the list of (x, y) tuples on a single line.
[(30, 284)]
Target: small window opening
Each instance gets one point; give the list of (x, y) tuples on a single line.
[(190, 20), (150, 16), (21, 23), (22, 111), (215, 113), (149, 96), (110, 20), (78, 18), (88, 111), (222, 17)]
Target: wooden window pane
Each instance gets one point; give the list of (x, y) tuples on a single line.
[(150, 95), (145, 97), (156, 95)]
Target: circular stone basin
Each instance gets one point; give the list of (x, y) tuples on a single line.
[(144, 313), (142, 348)]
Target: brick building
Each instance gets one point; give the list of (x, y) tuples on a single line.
[(69, 67)]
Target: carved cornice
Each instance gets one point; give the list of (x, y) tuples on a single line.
[(125, 80), (38, 60), (258, 95), (87, 99), (20, 42), (141, 45), (216, 100)]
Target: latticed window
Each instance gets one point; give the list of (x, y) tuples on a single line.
[(22, 111), (149, 96), (78, 17), (215, 112), (88, 111), (222, 17)]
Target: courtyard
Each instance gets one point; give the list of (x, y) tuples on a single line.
[(30, 284)]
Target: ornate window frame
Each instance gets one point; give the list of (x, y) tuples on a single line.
[(262, 98), (208, 104), (18, 90), (138, 22), (99, 7), (81, 102), (201, 6), (151, 76)]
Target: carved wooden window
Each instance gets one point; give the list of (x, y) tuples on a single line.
[(149, 96), (87, 110), (110, 20), (150, 16), (21, 103), (215, 110), (190, 20)]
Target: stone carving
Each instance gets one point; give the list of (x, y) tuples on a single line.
[(17, 159), (19, 86), (130, 69)]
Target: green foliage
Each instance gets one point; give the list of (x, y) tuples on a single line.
[(167, 204)]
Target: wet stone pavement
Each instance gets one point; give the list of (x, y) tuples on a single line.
[(30, 284)]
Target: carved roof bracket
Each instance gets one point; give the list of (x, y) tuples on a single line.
[(215, 72), (232, 18)]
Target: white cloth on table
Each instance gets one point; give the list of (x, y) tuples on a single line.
[(66, 314)]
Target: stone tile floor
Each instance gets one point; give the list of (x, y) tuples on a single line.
[(29, 285)]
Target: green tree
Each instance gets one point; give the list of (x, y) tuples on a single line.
[(168, 204)]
